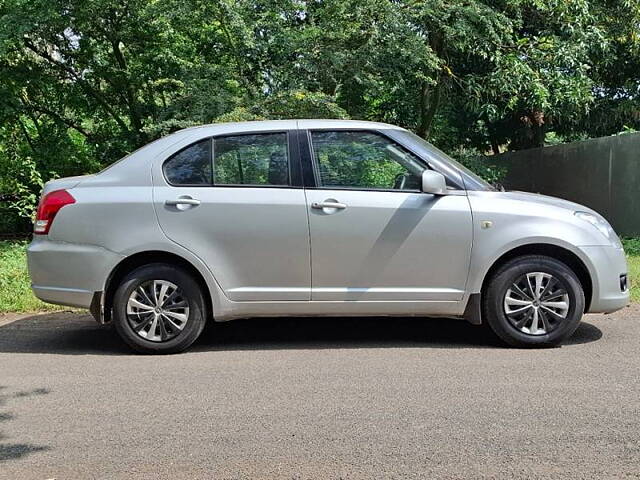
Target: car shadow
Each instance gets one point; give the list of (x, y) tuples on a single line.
[(74, 334), (9, 450)]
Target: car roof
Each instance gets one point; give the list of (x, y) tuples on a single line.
[(126, 171), (271, 125)]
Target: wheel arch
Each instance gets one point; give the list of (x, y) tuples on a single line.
[(569, 258), (140, 259), (473, 308)]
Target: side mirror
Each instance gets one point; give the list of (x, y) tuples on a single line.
[(433, 182)]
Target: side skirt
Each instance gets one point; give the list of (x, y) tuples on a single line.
[(232, 310)]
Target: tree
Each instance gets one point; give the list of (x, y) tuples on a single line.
[(82, 83), (615, 64)]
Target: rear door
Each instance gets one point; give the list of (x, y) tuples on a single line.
[(374, 235), (236, 201)]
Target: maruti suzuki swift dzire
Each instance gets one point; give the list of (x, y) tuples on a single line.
[(315, 218)]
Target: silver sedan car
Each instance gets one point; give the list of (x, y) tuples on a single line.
[(315, 218)]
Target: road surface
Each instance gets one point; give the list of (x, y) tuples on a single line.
[(319, 399)]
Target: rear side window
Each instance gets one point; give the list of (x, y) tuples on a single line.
[(257, 159), (190, 166)]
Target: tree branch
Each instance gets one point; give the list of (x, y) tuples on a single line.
[(80, 81), (27, 136), (60, 118)]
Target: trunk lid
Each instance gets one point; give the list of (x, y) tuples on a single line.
[(65, 183)]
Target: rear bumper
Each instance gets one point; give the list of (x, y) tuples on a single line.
[(73, 297), (68, 274), (607, 264)]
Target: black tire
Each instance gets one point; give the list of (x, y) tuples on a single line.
[(493, 302), (190, 293)]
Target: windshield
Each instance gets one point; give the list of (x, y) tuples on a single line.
[(441, 161)]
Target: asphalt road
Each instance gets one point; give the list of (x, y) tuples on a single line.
[(319, 399)]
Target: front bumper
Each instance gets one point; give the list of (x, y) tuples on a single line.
[(67, 273), (606, 265)]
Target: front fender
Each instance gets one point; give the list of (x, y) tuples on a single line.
[(484, 258), (503, 223)]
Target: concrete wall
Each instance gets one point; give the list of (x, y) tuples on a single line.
[(602, 173)]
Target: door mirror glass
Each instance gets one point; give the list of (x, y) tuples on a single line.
[(433, 182)]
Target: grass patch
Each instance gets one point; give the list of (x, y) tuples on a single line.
[(634, 276), (632, 249), (15, 285), (16, 295)]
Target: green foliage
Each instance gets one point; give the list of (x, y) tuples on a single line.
[(634, 276), (82, 83), (302, 104), (627, 129), (614, 65), (631, 246), (238, 114), (480, 165), (632, 249), (15, 285), (24, 181)]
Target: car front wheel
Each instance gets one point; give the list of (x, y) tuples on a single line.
[(533, 301), (159, 308)]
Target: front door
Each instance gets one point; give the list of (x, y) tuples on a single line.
[(374, 235), (230, 201)]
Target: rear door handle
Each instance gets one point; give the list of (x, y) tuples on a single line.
[(328, 204), (182, 201)]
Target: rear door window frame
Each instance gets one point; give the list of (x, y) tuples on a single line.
[(293, 158)]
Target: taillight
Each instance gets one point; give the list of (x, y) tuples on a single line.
[(48, 207)]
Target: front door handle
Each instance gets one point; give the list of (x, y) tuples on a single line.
[(328, 204), (182, 201)]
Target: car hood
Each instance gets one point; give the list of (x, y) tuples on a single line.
[(545, 200)]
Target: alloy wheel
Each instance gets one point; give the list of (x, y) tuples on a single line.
[(157, 310), (536, 303)]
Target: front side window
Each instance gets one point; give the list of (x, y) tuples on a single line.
[(190, 166), (257, 159), (366, 160)]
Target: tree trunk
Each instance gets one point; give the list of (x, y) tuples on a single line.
[(132, 102), (429, 103), (430, 96), (530, 131)]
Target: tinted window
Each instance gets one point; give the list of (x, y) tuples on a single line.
[(364, 160), (191, 166), (260, 159)]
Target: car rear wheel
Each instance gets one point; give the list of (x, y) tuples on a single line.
[(533, 301), (159, 308)]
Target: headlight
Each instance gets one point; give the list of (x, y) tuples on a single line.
[(602, 225)]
